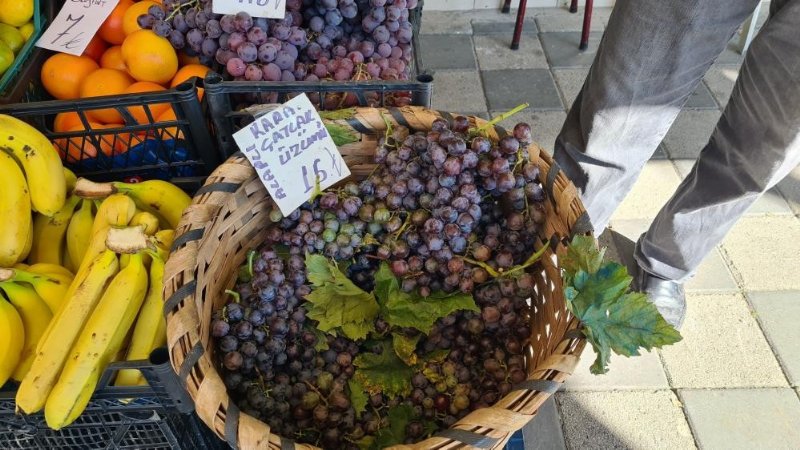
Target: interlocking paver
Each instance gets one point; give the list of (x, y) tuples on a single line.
[(506, 89), (458, 91), (505, 27), (494, 52), (730, 56), (764, 251), (720, 82), (623, 420), (689, 133), (569, 22), (545, 125), (722, 346), (544, 431), (778, 312), (447, 51), (654, 187), (570, 82), (640, 373), (712, 276), (701, 98), (448, 5), (445, 22), (744, 418), (772, 202), (562, 49)]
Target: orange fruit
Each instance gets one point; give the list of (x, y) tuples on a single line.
[(105, 82), (111, 30), (66, 120), (185, 59), (62, 74), (112, 59), (189, 71), (95, 48), (130, 21), (149, 57), (138, 112), (170, 132), (75, 149)]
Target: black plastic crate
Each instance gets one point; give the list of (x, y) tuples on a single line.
[(154, 417), (181, 151), (226, 99)]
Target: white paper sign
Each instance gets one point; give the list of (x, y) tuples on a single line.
[(273, 9), (75, 25), (290, 149)]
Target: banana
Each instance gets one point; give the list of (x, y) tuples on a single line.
[(163, 239), (151, 328), (71, 180), (49, 232), (66, 261), (12, 338), (15, 210), (115, 211), (40, 162), (98, 343), (79, 232), (53, 349), (51, 287), (149, 221), (163, 199), (35, 317), (47, 269)]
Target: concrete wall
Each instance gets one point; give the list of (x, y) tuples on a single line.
[(460, 5)]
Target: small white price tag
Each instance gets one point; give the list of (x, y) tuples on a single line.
[(291, 149), (75, 25), (273, 9)]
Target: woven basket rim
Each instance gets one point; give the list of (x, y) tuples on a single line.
[(185, 287)]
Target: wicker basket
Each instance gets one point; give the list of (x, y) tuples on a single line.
[(228, 217)]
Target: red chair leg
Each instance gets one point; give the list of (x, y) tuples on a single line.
[(587, 23), (518, 25), (506, 6), (573, 7)]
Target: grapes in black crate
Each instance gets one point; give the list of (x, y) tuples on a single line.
[(383, 311)]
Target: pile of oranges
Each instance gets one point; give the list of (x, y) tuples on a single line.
[(121, 59)]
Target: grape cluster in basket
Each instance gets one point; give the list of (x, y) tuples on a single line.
[(316, 40), (388, 309)]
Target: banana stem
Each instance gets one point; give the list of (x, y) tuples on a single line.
[(128, 240), (90, 190), (21, 275)]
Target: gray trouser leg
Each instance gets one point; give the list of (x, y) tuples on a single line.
[(756, 143), (653, 55)]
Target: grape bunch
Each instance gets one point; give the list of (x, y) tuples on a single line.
[(448, 211)]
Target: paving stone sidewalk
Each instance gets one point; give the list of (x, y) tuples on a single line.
[(734, 382)]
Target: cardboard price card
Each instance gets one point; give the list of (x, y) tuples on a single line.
[(272, 9), (75, 25), (292, 151)]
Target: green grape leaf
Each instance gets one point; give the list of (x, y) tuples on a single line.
[(358, 397), (385, 372), (366, 442), (406, 347), (336, 303), (403, 309), (338, 114), (612, 318), (436, 356), (340, 134), (395, 433)]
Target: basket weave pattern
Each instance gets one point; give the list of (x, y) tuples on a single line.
[(228, 217)]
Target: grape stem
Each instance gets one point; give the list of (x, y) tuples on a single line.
[(321, 396), (194, 3), (236, 297), (536, 256), (250, 257), (473, 132)]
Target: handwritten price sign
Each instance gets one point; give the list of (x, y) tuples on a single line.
[(273, 9), (75, 25), (291, 150)]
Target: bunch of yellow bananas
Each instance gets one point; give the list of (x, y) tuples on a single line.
[(59, 331)]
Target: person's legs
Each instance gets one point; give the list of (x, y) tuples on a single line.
[(756, 143), (651, 58)]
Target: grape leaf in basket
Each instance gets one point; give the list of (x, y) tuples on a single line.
[(336, 303), (612, 318), (340, 134), (403, 309), (395, 433), (358, 397), (384, 372), (406, 347)]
